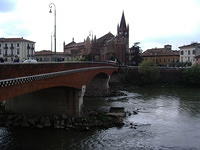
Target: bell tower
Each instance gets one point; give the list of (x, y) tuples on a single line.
[(122, 28), (123, 38)]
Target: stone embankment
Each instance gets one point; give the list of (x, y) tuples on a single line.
[(93, 120)]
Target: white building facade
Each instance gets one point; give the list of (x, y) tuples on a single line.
[(188, 52), (12, 49)]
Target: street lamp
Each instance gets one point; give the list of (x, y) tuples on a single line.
[(50, 11)]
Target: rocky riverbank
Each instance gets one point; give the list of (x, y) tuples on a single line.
[(94, 120), (90, 120)]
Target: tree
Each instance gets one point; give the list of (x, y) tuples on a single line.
[(191, 75), (149, 72), (136, 57)]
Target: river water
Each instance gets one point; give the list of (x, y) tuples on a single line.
[(168, 119)]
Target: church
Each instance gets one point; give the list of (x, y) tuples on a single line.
[(105, 48)]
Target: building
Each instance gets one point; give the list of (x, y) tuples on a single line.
[(188, 52), (161, 56), (48, 56), (16, 49), (77, 51), (104, 48)]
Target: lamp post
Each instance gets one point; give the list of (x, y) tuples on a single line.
[(50, 11)]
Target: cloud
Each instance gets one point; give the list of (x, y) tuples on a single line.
[(174, 40), (7, 5), (13, 28), (152, 22)]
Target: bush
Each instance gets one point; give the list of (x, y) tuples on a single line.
[(149, 72), (192, 75)]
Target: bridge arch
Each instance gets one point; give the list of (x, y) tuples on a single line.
[(98, 85)]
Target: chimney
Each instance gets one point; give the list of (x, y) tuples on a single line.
[(168, 47)]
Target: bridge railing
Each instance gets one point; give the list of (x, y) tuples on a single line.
[(27, 79), (16, 70)]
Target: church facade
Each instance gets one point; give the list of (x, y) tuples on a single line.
[(107, 47)]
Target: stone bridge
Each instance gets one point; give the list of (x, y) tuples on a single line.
[(52, 88)]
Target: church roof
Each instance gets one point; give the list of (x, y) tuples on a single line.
[(105, 38), (70, 44)]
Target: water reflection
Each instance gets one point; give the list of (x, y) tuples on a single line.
[(168, 119)]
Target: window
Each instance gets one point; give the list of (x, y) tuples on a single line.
[(0, 51), (181, 52), (0, 45), (6, 52), (188, 52), (11, 47), (18, 51), (17, 44), (188, 58), (193, 52)]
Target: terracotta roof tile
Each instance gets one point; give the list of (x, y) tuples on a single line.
[(160, 52), (190, 45), (14, 40), (48, 52), (106, 37)]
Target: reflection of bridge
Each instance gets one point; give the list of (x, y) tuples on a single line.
[(52, 87)]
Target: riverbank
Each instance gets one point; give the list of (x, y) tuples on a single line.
[(89, 120), (93, 120)]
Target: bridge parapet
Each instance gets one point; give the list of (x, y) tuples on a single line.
[(8, 71), (27, 79)]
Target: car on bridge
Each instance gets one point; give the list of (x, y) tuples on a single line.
[(30, 61)]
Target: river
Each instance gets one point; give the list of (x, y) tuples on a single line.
[(168, 119)]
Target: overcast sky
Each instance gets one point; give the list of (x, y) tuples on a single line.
[(153, 23)]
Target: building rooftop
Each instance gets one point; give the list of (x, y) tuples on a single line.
[(190, 45), (160, 52), (105, 38), (48, 52), (15, 40)]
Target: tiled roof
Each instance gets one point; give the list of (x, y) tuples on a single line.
[(190, 45), (74, 44), (106, 37), (80, 44), (48, 52), (160, 52), (70, 44), (14, 40), (43, 52)]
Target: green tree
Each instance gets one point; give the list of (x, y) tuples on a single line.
[(191, 75), (149, 72), (136, 57)]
